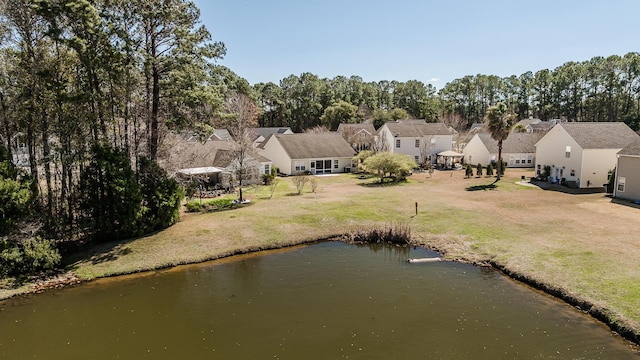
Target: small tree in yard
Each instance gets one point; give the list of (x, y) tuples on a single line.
[(314, 184), (489, 170), (468, 172), (299, 180), (240, 116), (479, 170), (272, 187), (390, 163)]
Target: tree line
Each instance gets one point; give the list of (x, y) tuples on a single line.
[(88, 91), (600, 89)]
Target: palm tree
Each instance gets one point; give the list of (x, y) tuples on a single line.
[(499, 121)]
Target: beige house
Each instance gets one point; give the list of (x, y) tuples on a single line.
[(324, 153), (252, 168), (518, 150), (582, 154), (627, 185), (416, 138)]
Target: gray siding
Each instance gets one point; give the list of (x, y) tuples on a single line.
[(629, 168)]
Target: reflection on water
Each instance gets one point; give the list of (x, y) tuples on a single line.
[(328, 300)]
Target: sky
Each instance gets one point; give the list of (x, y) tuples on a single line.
[(431, 41)]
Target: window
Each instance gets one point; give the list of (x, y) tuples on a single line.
[(621, 181), (299, 166), (335, 164), (417, 142), (529, 160), (417, 158), (397, 143), (517, 161), (267, 169), (567, 152)]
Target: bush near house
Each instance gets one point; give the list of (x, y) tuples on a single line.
[(211, 205), (468, 172)]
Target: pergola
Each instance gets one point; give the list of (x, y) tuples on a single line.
[(448, 159)]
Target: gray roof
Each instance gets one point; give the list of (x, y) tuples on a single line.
[(221, 134), (368, 127), (192, 154), (308, 146), (225, 157), (528, 121), (266, 131), (417, 129), (632, 149), (542, 126), (516, 143), (600, 135)]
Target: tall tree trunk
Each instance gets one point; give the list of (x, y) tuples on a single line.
[(499, 167), (155, 104), (7, 129), (46, 154)]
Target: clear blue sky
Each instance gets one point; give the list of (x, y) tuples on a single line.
[(431, 41)]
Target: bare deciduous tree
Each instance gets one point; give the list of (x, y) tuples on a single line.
[(317, 130), (426, 145), (300, 180), (240, 118), (381, 144)]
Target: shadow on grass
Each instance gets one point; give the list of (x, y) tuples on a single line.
[(98, 253), (491, 186), (377, 183)]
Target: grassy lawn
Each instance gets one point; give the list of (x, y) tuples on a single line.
[(583, 245)]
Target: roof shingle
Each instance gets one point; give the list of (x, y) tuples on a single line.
[(600, 135), (308, 146), (417, 129)]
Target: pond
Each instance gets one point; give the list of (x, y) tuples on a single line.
[(325, 301)]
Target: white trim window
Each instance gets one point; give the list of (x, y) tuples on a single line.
[(336, 163), (397, 143), (567, 152), (300, 166), (417, 142)]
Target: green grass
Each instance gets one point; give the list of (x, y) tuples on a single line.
[(556, 238)]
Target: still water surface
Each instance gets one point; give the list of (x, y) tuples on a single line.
[(324, 301)]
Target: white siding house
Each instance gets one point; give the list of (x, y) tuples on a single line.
[(627, 184), (317, 153), (416, 138), (518, 150), (582, 153)]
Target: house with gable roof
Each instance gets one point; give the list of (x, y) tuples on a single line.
[(360, 136), (582, 153), (324, 153), (518, 150), (627, 184), (416, 138), (261, 133)]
